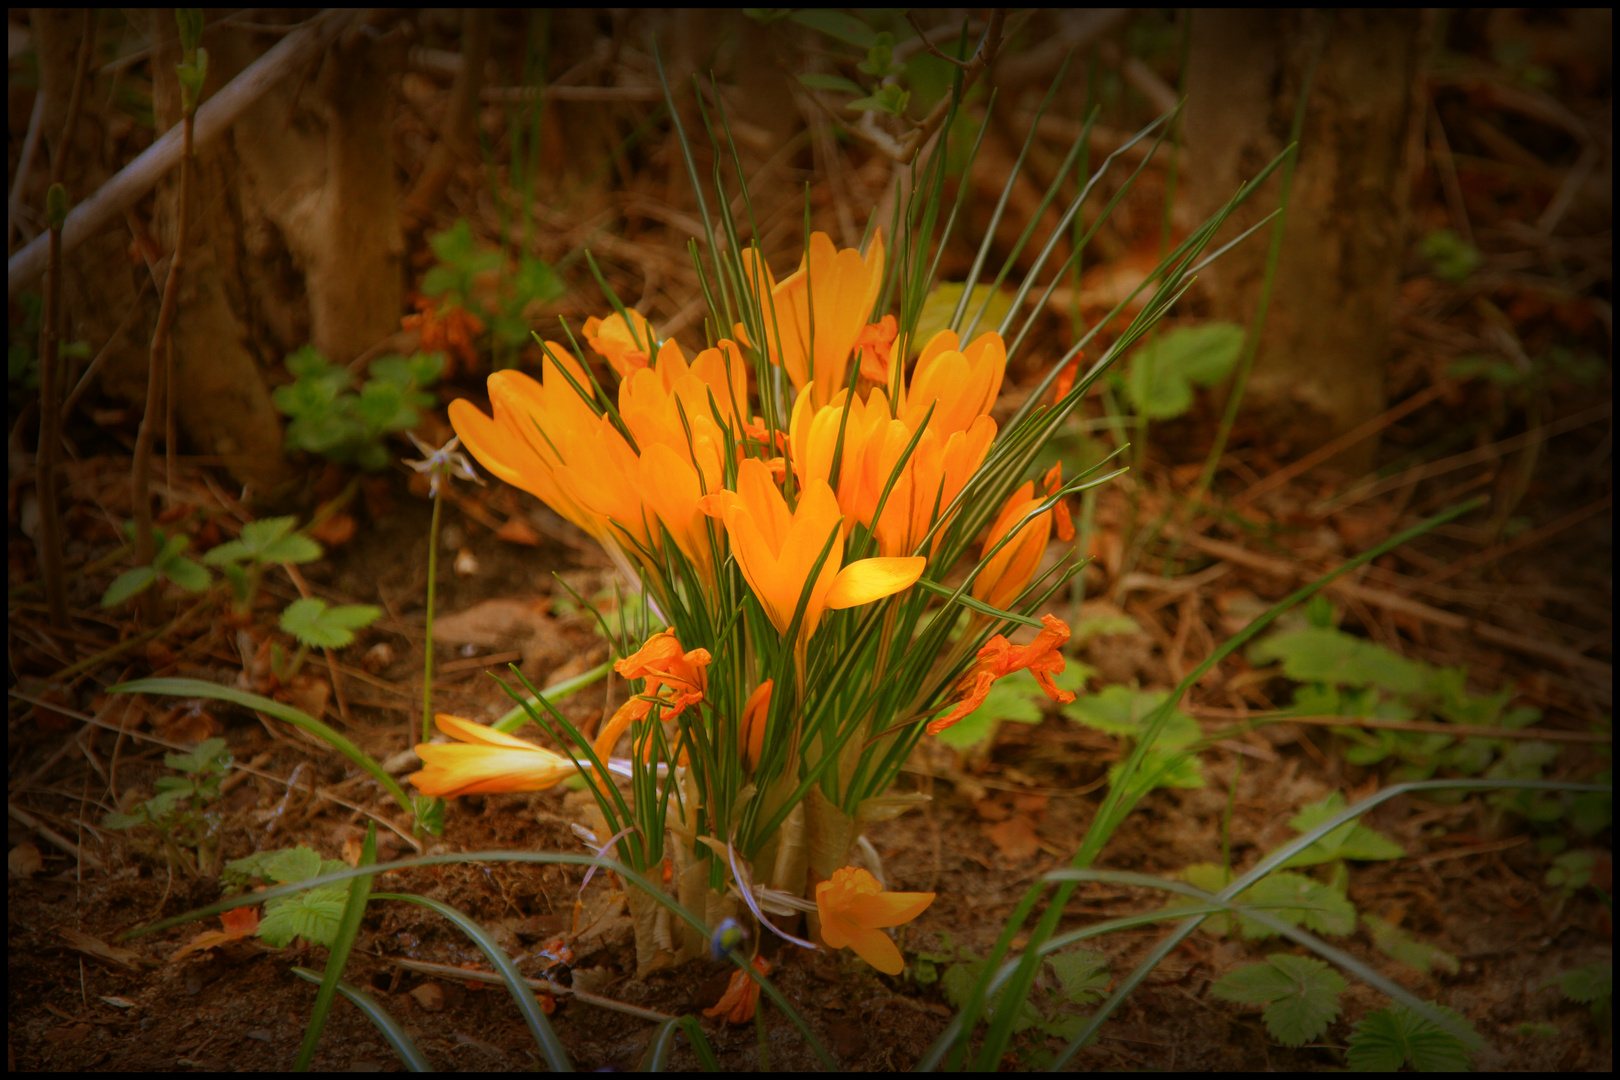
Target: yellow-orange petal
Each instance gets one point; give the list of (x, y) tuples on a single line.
[(463, 769), (471, 732), (876, 949), (867, 580), (888, 908)]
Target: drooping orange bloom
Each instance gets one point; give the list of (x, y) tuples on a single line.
[(960, 383), (485, 761), (1011, 568), (447, 329), (854, 909), (751, 732), (536, 428), (841, 287), (1042, 658), (875, 344), (741, 998), (676, 679), (627, 348), (777, 549)]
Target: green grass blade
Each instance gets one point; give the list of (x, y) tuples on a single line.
[(296, 717), (662, 1045), (337, 958), (552, 1049), (518, 716), (412, 1058), (1114, 807)]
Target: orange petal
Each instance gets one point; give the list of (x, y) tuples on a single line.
[(867, 580), (876, 949), (889, 908)]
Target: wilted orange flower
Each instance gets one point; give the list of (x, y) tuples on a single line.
[(627, 348), (1011, 568), (485, 761), (854, 909), (675, 678), (1042, 658), (875, 343), (741, 998), (449, 330), (960, 383), (778, 548), (842, 286), (751, 732)]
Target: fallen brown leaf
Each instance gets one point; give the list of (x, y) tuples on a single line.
[(518, 531), (335, 531), (1014, 838), (98, 949)]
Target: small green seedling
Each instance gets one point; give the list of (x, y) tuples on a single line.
[(181, 813), (479, 277), (313, 915), (262, 543), (330, 419), (169, 564), (1388, 1039), (318, 626), (1122, 711), (1591, 985), (1300, 995), (1069, 981)]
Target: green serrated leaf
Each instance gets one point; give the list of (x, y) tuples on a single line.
[(1301, 995), (1082, 974), (940, 304), (296, 548), (1299, 900), (1397, 944), (1119, 710), (290, 864), (129, 583), (1349, 841), (315, 624), (313, 916), (186, 574), (1323, 654), (1389, 1038)]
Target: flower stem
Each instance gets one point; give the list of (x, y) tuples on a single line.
[(427, 660)]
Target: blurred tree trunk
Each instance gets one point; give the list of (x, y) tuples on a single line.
[(1320, 368)]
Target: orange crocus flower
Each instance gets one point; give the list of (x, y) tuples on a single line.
[(1011, 568), (601, 473), (1042, 658), (485, 761), (854, 909), (751, 732), (537, 426), (960, 383), (741, 998), (815, 433), (778, 548), (842, 286), (875, 344), (936, 472), (625, 348)]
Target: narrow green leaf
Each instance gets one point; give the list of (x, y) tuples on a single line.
[(129, 583), (837, 24), (343, 942), (386, 1025), (817, 81)]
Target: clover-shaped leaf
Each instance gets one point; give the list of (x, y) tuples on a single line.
[(1300, 995), (318, 626), (270, 540), (1390, 1038)]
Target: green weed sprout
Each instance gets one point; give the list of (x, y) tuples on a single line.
[(181, 813), (262, 543), (169, 564), (327, 416), (312, 915), (480, 279), (316, 625)]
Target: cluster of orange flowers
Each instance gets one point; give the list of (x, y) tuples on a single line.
[(679, 457)]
